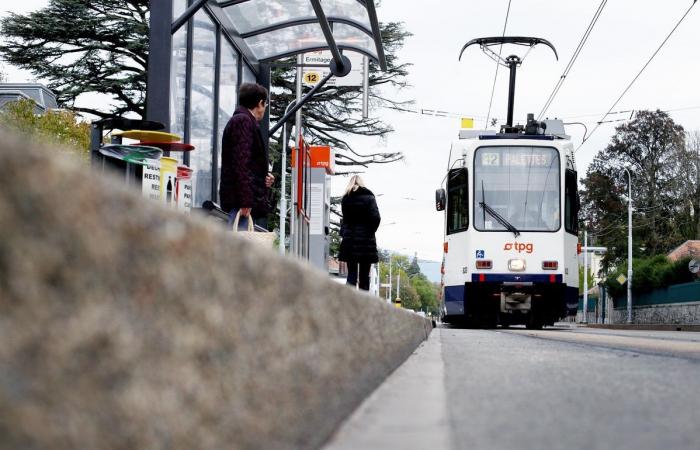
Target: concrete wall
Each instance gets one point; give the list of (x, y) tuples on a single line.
[(124, 325), (674, 313), (674, 304)]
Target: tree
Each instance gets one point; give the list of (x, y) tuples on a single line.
[(53, 127), (334, 243), (649, 147), (414, 268), (603, 212), (690, 185), (427, 292), (416, 291), (409, 296), (80, 47)]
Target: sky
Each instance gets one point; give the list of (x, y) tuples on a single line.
[(625, 36)]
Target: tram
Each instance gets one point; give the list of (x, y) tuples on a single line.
[(511, 224)]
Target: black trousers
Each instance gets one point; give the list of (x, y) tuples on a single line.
[(363, 274)]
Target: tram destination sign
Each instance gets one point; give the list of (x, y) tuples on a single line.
[(536, 158)]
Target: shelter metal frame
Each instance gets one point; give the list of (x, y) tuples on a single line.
[(162, 64)]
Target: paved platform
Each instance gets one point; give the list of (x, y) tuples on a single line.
[(559, 388)]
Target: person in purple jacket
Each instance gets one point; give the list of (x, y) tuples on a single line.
[(245, 176)]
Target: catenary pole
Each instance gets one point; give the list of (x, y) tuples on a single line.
[(585, 277), (629, 253), (398, 285), (390, 280)]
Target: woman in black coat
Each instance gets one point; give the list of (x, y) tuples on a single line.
[(360, 221)]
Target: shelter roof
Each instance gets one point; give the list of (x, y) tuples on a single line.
[(274, 29)]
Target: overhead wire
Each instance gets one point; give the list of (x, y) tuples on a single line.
[(574, 56), (498, 65), (638, 74)]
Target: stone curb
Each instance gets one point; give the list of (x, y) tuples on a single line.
[(125, 325)]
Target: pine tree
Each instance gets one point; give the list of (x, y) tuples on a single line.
[(81, 47)]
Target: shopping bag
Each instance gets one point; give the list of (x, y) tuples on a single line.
[(261, 238)]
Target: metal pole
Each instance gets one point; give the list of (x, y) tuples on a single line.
[(300, 103), (365, 87), (283, 196), (513, 62), (629, 252), (159, 63), (327, 33), (295, 232), (398, 285), (390, 279), (191, 11), (585, 277)]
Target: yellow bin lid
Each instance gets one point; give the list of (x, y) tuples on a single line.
[(150, 136)]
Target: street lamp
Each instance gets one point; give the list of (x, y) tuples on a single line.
[(629, 247)]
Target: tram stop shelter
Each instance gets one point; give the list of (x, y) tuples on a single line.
[(202, 50)]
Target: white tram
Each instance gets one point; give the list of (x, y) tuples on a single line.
[(511, 227)]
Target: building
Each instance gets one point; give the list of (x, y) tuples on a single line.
[(42, 96)]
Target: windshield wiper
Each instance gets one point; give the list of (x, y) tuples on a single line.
[(500, 219)]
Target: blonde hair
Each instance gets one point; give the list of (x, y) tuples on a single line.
[(355, 183)]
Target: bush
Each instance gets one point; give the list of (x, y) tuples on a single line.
[(55, 127), (650, 273)]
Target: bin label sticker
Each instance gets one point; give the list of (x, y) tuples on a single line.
[(184, 195), (480, 254), (150, 186)]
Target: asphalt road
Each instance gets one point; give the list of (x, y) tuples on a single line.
[(550, 389)]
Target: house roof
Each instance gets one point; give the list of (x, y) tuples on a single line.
[(688, 248)]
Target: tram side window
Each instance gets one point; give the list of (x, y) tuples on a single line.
[(571, 204), (457, 201)]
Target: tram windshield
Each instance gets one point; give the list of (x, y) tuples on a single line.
[(521, 184)]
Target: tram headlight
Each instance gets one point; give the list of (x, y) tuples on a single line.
[(516, 265)]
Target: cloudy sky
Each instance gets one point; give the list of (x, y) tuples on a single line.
[(624, 37)]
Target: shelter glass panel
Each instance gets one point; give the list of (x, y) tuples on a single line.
[(286, 40), (248, 75), (228, 89), (179, 7), (256, 14), (308, 36), (202, 106), (346, 35)]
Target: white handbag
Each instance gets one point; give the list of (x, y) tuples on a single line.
[(261, 238)]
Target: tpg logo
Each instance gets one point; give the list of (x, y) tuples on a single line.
[(519, 247)]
